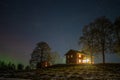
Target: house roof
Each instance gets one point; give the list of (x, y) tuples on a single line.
[(74, 51)]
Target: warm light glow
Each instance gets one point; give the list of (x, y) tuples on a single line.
[(86, 61), (79, 60), (71, 56), (46, 64), (79, 55)]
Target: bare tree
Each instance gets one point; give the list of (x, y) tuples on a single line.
[(87, 40), (98, 35), (116, 27), (104, 35)]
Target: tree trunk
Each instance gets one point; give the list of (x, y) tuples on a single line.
[(117, 34), (103, 54), (41, 55), (41, 58), (91, 52), (91, 57)]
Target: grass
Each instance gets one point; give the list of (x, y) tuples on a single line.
[(83, 72), (74, 72)]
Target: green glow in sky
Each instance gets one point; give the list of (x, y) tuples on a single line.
[(8, 59)]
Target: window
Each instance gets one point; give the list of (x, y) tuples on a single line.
[(86, 61), (45, 64), (79, 61), (71, 56), (79, 55)]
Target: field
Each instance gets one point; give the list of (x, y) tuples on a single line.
[(69, 72)]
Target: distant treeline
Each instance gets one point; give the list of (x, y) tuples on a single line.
[(5, 67)]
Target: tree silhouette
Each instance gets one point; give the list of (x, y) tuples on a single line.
[(104, 35), (87, 40), (20, 67), (7, 66), (3, 66), (27, 68), (116, 27), (11, 66), (40, 53), (98, 36), (44, 48)]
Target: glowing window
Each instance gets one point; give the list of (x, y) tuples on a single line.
[(45, 64), (79, 55), (71, 56), (79, 60), (86, 61)]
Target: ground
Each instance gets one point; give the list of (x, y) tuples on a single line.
[(68, 72)]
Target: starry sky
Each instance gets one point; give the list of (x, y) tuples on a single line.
[(23, 23)]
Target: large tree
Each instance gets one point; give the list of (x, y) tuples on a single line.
[(43, 49), (104, 35), (99, 36), (41, 53), (87, 40), (116, 27)]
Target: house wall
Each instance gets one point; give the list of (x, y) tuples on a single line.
[(74, 58), (79, 58), (71, 59)]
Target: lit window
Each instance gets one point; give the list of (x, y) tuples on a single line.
[(79, 60), (86, 61), (45, 64), (71, 56), (79, 55)]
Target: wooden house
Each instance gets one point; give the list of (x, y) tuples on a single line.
[(77, 57)]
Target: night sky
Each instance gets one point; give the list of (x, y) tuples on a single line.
[(23, 23)]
